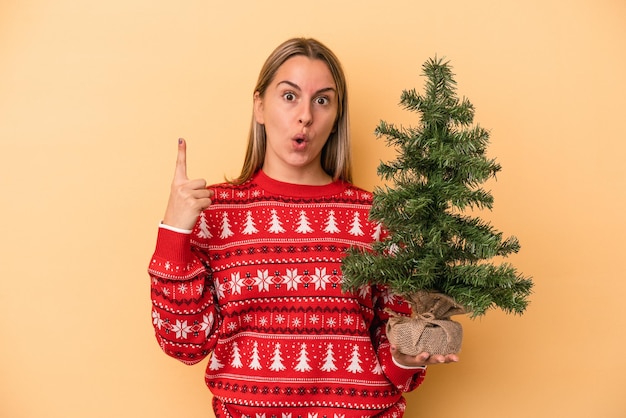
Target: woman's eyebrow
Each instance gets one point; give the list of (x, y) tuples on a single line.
[(297, 87), (289, 83)]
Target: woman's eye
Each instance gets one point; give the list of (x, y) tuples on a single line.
[(289, 96), (322, 100)]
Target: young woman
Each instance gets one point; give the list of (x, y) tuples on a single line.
[(248, 272)]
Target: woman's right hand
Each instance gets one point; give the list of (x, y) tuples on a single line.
[(188, 198), (422, 359)]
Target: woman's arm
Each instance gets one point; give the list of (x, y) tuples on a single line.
[(184, 314), (405, 377)]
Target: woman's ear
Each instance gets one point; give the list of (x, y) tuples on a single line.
[(258, 108)]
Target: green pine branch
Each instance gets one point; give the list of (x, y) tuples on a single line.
[(432, 244)]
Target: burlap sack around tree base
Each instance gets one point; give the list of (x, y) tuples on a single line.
[(430, 329)]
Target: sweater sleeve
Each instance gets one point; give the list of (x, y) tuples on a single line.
[(404, 378), (184, 312)]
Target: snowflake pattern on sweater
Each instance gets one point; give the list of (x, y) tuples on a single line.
[(257, 287)]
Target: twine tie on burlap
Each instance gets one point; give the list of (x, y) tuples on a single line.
[(426, 316)]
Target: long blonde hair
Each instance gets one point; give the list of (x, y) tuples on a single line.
[(336, 160)]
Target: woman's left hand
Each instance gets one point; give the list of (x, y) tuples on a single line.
[(422, 359)]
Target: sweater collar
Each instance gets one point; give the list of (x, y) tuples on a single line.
[(281, 188)]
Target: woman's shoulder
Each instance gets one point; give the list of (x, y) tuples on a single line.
[(357, 193), (230, 192)]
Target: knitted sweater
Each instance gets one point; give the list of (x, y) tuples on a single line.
[(257, 286)]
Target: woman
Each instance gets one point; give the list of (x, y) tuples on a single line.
[(249, 271)]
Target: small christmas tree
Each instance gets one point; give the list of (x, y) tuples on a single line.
[(433, 244)]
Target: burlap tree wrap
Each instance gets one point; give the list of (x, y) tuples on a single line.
[(430, 329)]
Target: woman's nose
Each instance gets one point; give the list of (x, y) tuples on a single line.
[(306, 116)]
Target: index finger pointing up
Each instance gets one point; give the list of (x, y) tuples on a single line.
[(181, 160)]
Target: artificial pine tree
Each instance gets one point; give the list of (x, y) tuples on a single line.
[(436, 254)]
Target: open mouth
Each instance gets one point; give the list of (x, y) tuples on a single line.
[(299, 139)]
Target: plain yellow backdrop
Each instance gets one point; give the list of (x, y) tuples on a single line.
[(94, 94)]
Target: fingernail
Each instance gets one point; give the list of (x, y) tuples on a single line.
[(180, 141)]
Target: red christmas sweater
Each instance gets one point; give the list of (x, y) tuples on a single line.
[(257, 286)]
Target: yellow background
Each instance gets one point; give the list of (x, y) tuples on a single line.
[(94, 94)]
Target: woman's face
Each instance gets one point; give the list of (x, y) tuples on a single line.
[(299, 111)]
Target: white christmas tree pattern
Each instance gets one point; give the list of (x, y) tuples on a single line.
[(329, 360), (303, 360), (304, 226), (255, 364), (249, 225), (276, 226), (203, 225), (215, 363), (277, 360), (377, 231), (356, 229), (226, 231), (377, 368), (355, 361), (331, 223), (236, 362)]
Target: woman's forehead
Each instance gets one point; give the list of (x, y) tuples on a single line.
[(305, 72)]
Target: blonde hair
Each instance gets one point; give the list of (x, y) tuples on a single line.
[(336, 160)]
